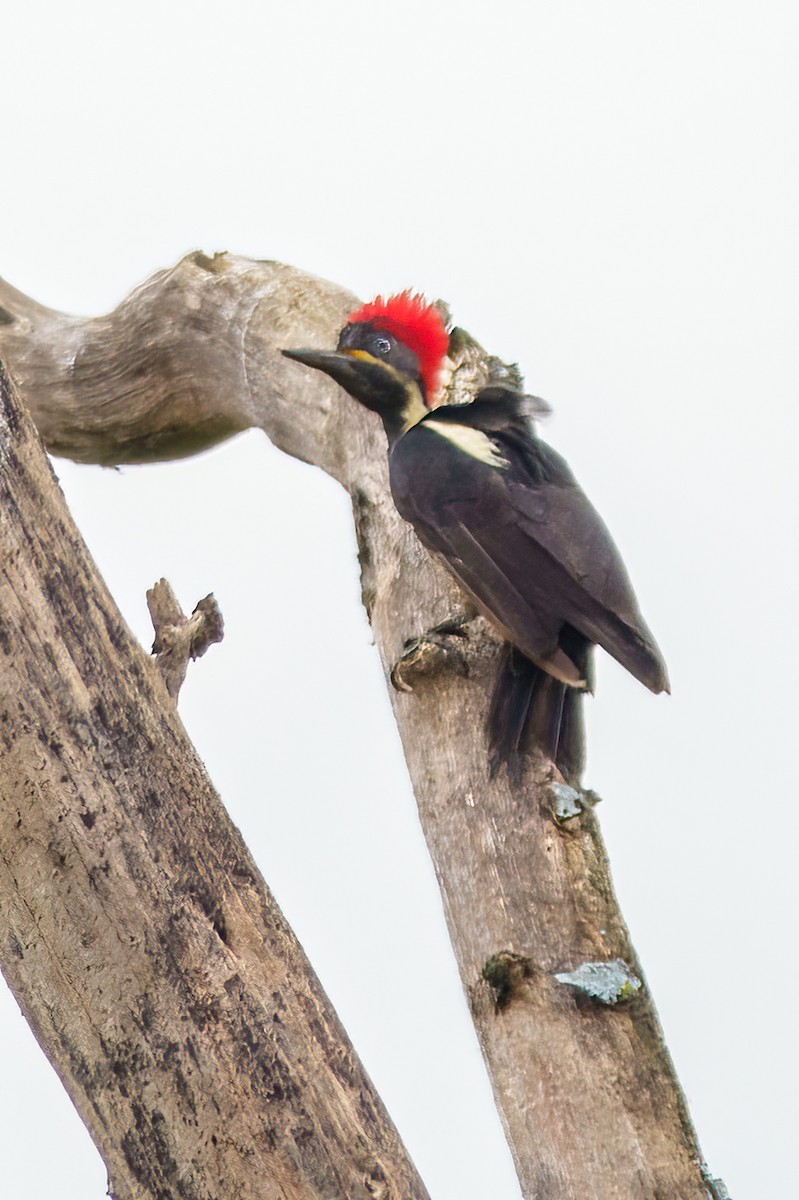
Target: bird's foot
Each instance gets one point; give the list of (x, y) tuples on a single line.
[(441, 648)]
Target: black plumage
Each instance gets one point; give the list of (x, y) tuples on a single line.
[(503, 511), (526, 544)]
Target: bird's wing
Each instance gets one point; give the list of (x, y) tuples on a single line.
[(561, 523), (527, 544), (525, 615)]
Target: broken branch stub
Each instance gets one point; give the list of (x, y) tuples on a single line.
[(180, 639)]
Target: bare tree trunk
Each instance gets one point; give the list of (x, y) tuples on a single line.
[(583, 1081), (156, 970)]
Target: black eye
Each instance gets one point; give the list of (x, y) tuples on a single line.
[(381, 345)]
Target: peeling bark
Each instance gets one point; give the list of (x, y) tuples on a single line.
[(138, 937), (587, 1092)]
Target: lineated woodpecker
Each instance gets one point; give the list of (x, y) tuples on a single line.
[(503, 511)]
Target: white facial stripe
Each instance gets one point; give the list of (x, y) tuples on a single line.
[(471, 441)]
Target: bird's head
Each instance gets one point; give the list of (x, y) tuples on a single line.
[(389, 357)]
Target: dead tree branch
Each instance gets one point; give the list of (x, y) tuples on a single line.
[(581, 1075), (153, 965)]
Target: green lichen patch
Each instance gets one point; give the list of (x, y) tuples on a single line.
[(717, 1189)]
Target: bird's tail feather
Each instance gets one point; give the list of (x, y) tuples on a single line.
[(532, 711)]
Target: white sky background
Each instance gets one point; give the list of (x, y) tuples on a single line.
[(606, 193)]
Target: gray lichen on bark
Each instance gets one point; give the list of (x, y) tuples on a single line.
[(607, 982)]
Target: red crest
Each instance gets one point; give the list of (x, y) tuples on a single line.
[(412, 320)]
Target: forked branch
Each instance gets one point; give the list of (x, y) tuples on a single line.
[(586, 1088)]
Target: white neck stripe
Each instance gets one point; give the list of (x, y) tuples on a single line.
[(471, 441)]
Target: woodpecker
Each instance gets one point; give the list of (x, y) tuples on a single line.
[(503, 511)]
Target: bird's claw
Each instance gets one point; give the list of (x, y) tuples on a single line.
[(439, 649)]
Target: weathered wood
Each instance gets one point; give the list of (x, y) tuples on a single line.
[(587, 1092), (178, 638), (153, 965)]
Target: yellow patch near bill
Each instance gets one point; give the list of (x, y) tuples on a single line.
[(471, 441)]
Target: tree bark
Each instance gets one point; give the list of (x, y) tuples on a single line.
[(581, 1075), (153, 965)]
